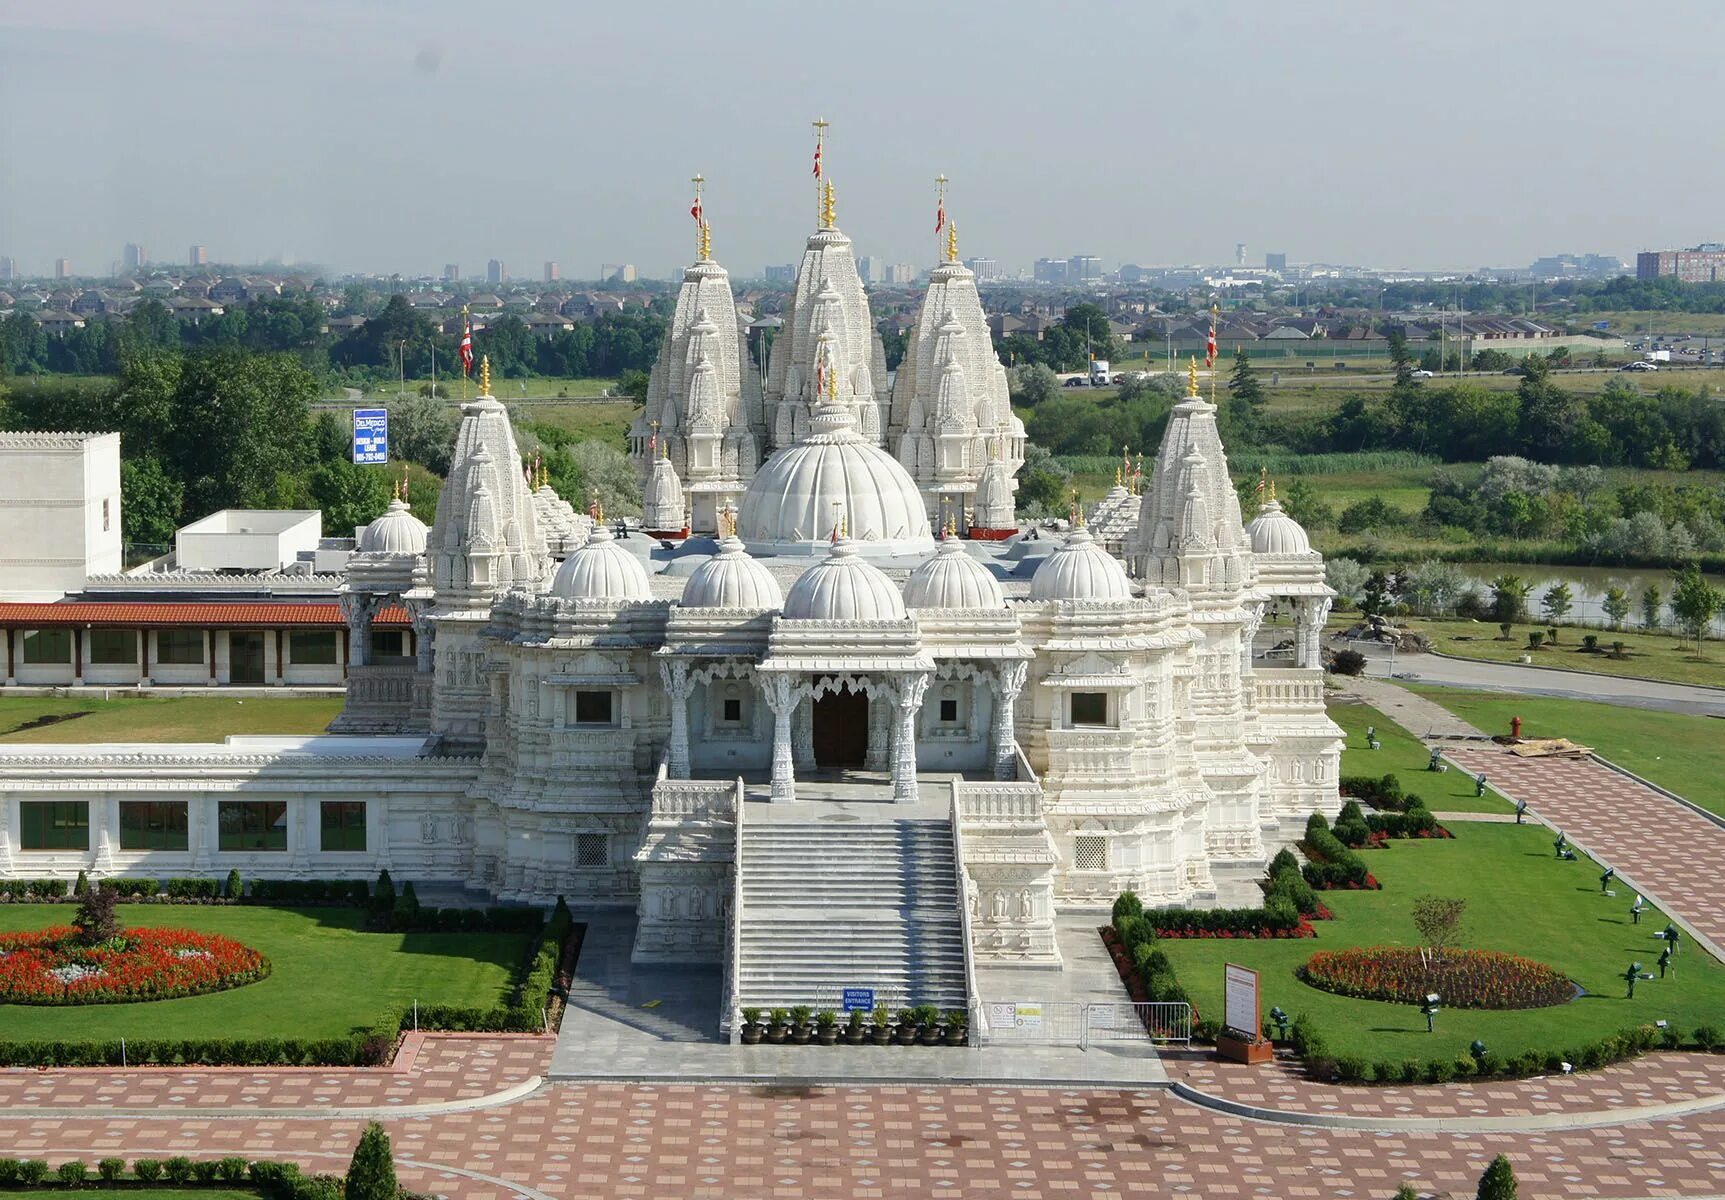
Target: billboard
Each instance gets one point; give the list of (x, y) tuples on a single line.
[(370, 435)]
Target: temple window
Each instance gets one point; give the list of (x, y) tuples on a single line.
[(54, 825), (180, 647), (48, 646), (1089, 853), (153, 825), (592, 708), (1089, 708), (113, 647), (251, 825), (592, 850), (314, 647), (341, 826)]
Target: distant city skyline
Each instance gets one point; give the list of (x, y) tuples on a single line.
[(1338, 134)]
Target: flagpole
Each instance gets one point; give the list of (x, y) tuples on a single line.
[(820, 125), (939, 212)]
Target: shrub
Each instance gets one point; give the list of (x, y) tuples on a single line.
[(1465, 979), (32, 1171), (73, 1174), (1126, 904), (383, 893), (110, 1169), (231, 1170), (193, 889), (1348, 662), (96, 921), (147, 1169), (1498, 1182), (204, 1170), (1333, 864), (1707, 1037), (1284, 861), (132, 889), (82, 885), (1350, 1069), (236, 886), (8, 1171), (178, 1170)]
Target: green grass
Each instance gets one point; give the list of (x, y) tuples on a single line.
[(605, 421), (1650, 655), (329, 977), (159, 719), (1675, 750), (161, 1193), (1401, 754), (507, 390), (1521, 899)]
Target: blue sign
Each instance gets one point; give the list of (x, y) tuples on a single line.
[(1602, 324), (859, 999), (371, 435)]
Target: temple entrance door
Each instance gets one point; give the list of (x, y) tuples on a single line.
[(841, 729), (245, 657)]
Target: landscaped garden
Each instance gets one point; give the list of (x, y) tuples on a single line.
[(1401, 754), (1520, 900), (1655, 655), (342, 984), (159, 718), (1675, 750)]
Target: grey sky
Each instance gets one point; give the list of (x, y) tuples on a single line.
[(397, 135)]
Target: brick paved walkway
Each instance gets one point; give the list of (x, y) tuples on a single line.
[(1658, 844), (723, 1143), (443, 1068), (1649, 1082)]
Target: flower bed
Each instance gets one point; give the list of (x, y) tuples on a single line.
[(51, 966), (1464, 978)]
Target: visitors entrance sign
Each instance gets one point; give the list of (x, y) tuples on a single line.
[(371, 435), (859, 999), (1240, 995)]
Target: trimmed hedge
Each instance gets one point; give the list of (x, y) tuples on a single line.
[(1333, 865), (310, 893), (273, 1180)]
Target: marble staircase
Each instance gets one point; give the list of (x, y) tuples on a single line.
[(850, 902)]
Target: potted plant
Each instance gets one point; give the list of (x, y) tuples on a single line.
[(780, 1028), (882, 1031), (928, 1025), (907, 1031), (957, 1027), (800, 1016), (751, 1027), (827, 1028), (854, 1030)]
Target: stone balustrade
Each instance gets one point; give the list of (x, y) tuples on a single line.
[(1290, 690)]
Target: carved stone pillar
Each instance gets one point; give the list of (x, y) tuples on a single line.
[(1312, 613), (359, 608), (675, 676), (803, 735), (1249, 634), (910, 692), (1008, 683), (878, 756), (779, 692)]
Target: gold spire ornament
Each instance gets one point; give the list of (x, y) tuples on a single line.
[(829, 206), (952, 241), (1192, 378), (485, 375)]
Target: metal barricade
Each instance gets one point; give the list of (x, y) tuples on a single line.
[(1169, 1023), (1075, 1023), (1032, 1022)]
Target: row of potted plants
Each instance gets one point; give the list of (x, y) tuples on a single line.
[(923, 1025)]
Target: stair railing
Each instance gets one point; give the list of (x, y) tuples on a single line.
[(731, 1017), (973, 1009)]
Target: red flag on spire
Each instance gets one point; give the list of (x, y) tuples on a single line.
[(940, 217), (466, 344), (817, 160), (1210, 342), (695, 210)]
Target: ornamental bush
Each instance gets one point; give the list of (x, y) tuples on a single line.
[(32, 1171), (1333, 864), (73, 1174), (147, 1169), (193, 889), (1465, 978), (110, 1169), (178, 1170), (371, 1174)]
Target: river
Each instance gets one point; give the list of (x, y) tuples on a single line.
[(1588, 585)]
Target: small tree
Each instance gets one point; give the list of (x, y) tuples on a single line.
[(1693, 603), (1406, 1192), (1509, 597), (97, 922), (1616, 605), (1498, 1182), (1438, 919), (1651, 602), (1556, 603), (371, 1174)]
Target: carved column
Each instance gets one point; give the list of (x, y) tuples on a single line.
[(803, 735), (780, 694), (675, 676), (359, 608), (1313, 611), (1008, 683), (910, 691), (1249, 634), (878, 756)]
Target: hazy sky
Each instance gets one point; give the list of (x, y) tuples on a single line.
[(398, 135)]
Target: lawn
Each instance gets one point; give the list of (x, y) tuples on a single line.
[(131, 1193), (1521, 899), (1651, 655), (1402, 754), (158, 719), (602, 421), (330, 978), (1675, 750)]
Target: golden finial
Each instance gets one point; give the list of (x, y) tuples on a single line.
[(706, 246), (727, 522), (403, 484), (844, 524), (832, 382), (1272, 491), (1192, 378), (1117, 478), (952, 241), (485, 375), (829, 206)]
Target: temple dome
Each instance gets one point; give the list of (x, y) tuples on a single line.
[(397, 531), (1273, 531), (731, 579), (832, 475), (952, 579), (843, 587), (1080, 570), (602, 570)]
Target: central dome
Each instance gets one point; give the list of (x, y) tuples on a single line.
[(834, 477)]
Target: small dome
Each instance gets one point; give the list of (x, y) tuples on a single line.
[(843, 587), (731, 579), (602, 570), (397, 531), (952, 579), (1273, 531), (1080, 570)]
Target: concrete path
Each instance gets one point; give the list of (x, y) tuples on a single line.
[(1541, 681), (1424, 719)]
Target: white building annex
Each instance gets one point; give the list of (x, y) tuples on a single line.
[(803, 737)]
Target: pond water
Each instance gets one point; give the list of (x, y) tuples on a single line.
[(1588, 585)]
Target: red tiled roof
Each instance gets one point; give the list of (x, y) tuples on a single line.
[(200, 613)]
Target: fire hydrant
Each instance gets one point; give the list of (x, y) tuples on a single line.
[(1515, 728)]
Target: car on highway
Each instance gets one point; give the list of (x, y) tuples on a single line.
[(1639, 366), (1422, 374), (1076, 381)]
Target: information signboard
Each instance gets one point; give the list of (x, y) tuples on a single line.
[(371, 435), (859, 999), (1240, 1000)]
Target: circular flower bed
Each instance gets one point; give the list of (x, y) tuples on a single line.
[(1463, 978), (51, 966)]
